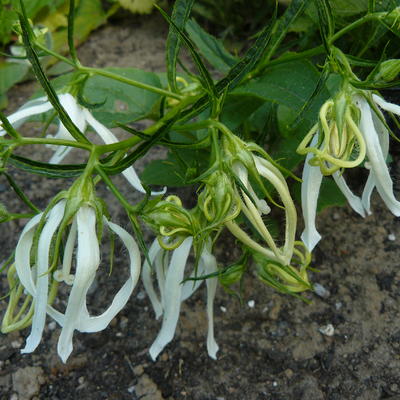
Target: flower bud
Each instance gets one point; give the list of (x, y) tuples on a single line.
[(388, 71)]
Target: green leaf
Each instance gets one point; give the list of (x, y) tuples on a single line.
[(10, 74), (46, 169), (206, 78), (180, 14), (290, 84), (123, 103), (210, 47), (177, 170)]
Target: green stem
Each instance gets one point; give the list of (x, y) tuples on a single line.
[(131, 82), (58, 142)]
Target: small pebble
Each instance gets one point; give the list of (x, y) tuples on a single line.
[(14, 396), (338, 305), (321, 291), (16, 344), (336, 216), (141, 295), (223, 309), (392, 237), (251, 303), (327, 330), (274, 384), (81, 379), (131, 389), (52, 325)]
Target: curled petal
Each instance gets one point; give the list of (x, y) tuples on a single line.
[(42, 280), (88, 260), (173, 289), (23, 255), (33, 107), (108, 137), (154, 253)]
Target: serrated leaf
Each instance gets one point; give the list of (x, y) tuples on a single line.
[(179, 16), (48, 170), (124, 103), (210, 47)]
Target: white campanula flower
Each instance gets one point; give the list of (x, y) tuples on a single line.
[(36, 277), (82, 118), (375, 139), (169, 272)]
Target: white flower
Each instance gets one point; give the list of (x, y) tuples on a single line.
[(81, 117), (254, 208), (172, 292), (376, 139), (36, 279)]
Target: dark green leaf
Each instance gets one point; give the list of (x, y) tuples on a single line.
[(123, 103), (210, 47), (180, 14)]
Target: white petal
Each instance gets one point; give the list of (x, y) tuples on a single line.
[(75, 112), (100, 322), (385, 105), (367, 192), (148, 280), (108, 137), (190, 286), (312, 179), (23, 255), (210, 264), (354, 201), (34, 107), (42, 282), (173, 290), (376, 158), (88, 260)]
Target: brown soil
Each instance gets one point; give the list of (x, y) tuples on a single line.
[(274, 350)]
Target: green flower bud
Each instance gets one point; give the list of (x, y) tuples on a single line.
[(388, 71)]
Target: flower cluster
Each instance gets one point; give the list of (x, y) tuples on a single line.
[(351, 131)]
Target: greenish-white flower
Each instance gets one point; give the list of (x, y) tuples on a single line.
[(169, 272), (32, 266)]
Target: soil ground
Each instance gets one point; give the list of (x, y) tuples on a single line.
[(273, 350)]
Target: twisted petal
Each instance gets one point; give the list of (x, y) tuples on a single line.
[(154, 255), (383, 135), (75, 112), (33, 107), (108, 137), (376, 158), (88, 260), (173, 290), (312, 179), (23, 255), (100, 322), (42, 280)]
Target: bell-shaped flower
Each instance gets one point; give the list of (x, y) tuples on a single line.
[(82, 118), (33, 269), (375, 139), (170, 272)]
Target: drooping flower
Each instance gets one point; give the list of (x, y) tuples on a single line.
[(32, 267), (254, 208), (367, 126), (81, 117), (169, 273)]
